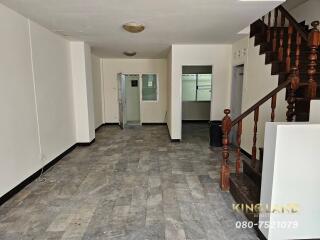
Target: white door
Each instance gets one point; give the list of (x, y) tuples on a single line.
[(122, 99), (132, 99)]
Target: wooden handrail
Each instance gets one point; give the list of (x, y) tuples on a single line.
[(292, 83), (261, 101), (284, 43), (294, 23)]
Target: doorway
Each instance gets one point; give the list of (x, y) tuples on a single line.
[(236, 97), (132, 94), (129, 99), (196, 100)]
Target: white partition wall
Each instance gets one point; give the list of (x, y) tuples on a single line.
[(54, 91), (36, 98), (98, 95), (314, 111), (19, 143), (83, 91), (216, 55), (291, 177)]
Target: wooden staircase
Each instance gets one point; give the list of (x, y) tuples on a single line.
[(286, 45), (292, 50)]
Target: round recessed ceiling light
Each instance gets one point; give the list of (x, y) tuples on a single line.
[(133, 27), (129, 53)]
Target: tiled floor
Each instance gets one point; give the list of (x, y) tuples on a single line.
[(130, 184)]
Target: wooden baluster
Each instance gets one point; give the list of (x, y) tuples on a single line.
[(294, 85), (263, 17), (225, 168), (273, 106), (298, 43), (274, 42), (254, 146), (288, 58), (313, 43), (269, 27), (238, 161), (280, 51)]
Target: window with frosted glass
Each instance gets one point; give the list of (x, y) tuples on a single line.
[(149, 87), (204, 87), (189, 87), (196, 87)]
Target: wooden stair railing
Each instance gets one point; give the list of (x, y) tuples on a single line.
[(293, 51), (277, 22), (314, 42), (227, 124)]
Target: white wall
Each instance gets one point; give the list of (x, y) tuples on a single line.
[(169, 91), (315, 111), (89, 83), (240, 51), (19, 146), (257, 83), (195, 110), (308, 11), (35, 98), (97, 90), (83, 91), (219, 56), (53, 84), (291, 176), (151, 112)]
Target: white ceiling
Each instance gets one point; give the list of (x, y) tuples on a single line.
[(291, 4), (99, 22)]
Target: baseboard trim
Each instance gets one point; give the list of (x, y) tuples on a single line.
[(153, 124), (244, 152), (98, 128), (172, 139), (85, 144), (146, 124), (34, 176), (195, 121), (260, 234), (110, 124)]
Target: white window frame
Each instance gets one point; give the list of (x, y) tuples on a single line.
[(197, 90)]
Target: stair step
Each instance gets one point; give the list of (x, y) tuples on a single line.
[(303, 75), (254, 173), (265, 47), (245, 191), (301, 99), (302, 117), (256, 27), (259, 39), (261, 150)]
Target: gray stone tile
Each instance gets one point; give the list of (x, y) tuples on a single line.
[(174, 230), (131, 184), (194, 230)]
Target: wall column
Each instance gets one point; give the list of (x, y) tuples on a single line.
[(82, 91)]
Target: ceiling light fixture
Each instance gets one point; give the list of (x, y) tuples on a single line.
[(133, 27), (262, 0), (129, 53)]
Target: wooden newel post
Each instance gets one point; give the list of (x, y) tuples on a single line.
[(225, 168), (294, 85), (313, 42)]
